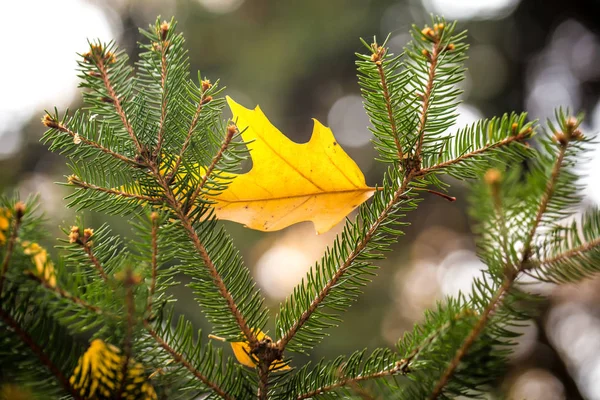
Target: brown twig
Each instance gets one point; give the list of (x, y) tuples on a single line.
[(39, 353), (263, 381), (179, 358), (591, 245), (19, 211), (87, 248), (442, 195), (163, 107)]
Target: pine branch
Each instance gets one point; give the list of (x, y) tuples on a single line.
[(179, 358), (127, 345), (87, 248), (564, 256), (154, 262), (511, 272), (100, 59), (74, 180), (263, 381), (19, 212), (39, 353), (51, 122), (164, 46)]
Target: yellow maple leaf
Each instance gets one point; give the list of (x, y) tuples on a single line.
[(290, 182)]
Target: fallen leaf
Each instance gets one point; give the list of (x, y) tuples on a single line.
[(241, 350), (290, 182)]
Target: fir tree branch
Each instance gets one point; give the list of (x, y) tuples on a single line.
[(190, 134), (164, 46), (360, 246), (127, 346), (154, 235), (231, 131), (87, 248), (74, 180), (588, 246), (517, 138), (39, 353), (179, 358), (511, 276), (263, 381), (433, 60), (50, 122), (399, 367), (64, 294), (187, 224), (100, 63), (378, 55), (19, 211)]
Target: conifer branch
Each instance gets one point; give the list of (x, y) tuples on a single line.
[(433, 60), (521, 136), (179, 358), (588, 246), (50, 122), (100, 63), (399, 367), (360, 246), (231, 131), (188, 139), (39, 353), (19, 212), (154, 235), (130, 280), (187, 224), (74, 180), (511, 276), (263, 381), (64, 294), (163, 85), (377, 57), (87, 248)]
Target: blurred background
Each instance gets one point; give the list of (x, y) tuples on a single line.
[(296, 59)]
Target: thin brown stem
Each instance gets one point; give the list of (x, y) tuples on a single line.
[(94, 260), (398, 195), (433, 59), (179, 358), (154, 235), (388, 106), (120, 193), (100, 63), (19, 208), (442, 195), (61, 127), (224, 145), (517, 138), (263, 381), (39, 353)]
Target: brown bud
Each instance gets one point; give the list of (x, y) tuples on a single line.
[(74, 234), (560, 138), (206, 85), (426, 54), (439, 27), (19, 209), (164, 30), (514, 126), (577, 135), (49, 121), (450, 47), (154, 216), (232, 129), (106, 99), (571, 123), (87, 233), (72, 179), (206, 99), (427, 31), (492, 177)]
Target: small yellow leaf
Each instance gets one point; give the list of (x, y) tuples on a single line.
[(290, 182), (241, 350)]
